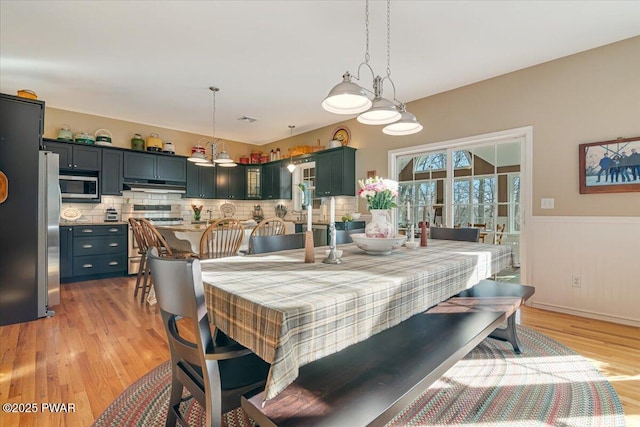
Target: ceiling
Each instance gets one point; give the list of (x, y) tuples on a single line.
[(152, 62)]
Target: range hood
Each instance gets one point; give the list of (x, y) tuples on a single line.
[(155, 188)]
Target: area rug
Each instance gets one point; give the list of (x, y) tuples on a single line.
[(548, 384)]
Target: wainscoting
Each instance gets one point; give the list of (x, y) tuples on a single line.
[(600, 254)]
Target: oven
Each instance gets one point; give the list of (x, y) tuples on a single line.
[(158, 215)]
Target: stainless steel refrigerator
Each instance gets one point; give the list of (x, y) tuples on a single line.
[(29, 214)]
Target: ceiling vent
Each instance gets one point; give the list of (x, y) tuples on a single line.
[(247, 119)]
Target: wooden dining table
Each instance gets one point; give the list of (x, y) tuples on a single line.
[(291, 313)]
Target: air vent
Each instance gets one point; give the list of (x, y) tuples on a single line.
[(247, 119)]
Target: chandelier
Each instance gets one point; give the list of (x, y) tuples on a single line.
[(222, 158), (348, 97)]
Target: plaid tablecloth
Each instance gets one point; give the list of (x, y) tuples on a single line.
[(291, 313)]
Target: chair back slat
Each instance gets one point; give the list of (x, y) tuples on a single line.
[(269, 227), (154, 239), (459, 234), (139, 236), (221, 239)]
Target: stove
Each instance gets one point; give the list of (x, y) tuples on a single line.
[(159, 215)]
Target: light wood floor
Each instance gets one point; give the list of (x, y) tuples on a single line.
[(101, 341)]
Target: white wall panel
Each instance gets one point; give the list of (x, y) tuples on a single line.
[(602, 251)]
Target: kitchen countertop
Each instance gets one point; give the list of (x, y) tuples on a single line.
[(80, 223)]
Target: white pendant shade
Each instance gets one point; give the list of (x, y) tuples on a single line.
[(231, 164), (291, 167), (381, 112), (407, 125), (346, 98), (197, 157), (206, 164), (223, 157)]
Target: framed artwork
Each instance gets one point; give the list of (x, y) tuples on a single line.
[(610, 166)]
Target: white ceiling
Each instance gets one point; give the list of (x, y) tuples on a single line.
[(153, 61)]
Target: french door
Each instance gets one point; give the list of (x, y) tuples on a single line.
[(464, 183)]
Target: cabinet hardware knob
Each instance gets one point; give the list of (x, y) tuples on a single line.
[(113, 263), (113, 245), (87, 246), (87, 265)]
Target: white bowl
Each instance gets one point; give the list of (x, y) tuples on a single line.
[(412, 245), (377, 245), (337, 251), (355, 215)]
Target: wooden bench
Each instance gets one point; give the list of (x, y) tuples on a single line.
[(488, 295), (370, 382)]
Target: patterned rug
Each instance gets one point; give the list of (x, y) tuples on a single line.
[(548, 384)]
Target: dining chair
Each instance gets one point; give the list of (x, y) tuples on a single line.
[(141, 241), (281, 242), (214, 369), (459, 234), (153, 239), (483, 229), (221, 239), (269, 227), (344, 236), (499, 233)]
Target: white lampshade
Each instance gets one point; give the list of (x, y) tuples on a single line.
[(381, 112), (291, 167), (223, 157), (197, 157), (206, 164), (407, 125), (231, 164), (346, 98)]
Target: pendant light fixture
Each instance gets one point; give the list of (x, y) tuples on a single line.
[(291, 167), (348, 97), (407, 125), (220, 159)]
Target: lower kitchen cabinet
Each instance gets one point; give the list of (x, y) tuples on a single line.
[(93, 252)]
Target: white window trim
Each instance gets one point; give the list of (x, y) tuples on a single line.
[(526, 163)]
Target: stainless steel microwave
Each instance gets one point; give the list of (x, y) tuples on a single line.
[(79, 187)]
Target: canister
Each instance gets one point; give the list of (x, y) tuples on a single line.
[(137, 143)]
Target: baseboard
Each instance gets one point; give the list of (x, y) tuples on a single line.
[(588, 314)]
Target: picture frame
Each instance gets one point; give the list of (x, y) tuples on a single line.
[(610, 166)]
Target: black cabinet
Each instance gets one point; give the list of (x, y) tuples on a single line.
[(95, 251), (66, 252), (154, 167), (275, 181), (200, 181), (76, 156), (336, 172), (111, 176), (230, 182)]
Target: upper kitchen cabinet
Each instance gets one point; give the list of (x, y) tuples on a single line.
[(230, 182), (154, 167), (200, 181), (111, 178), (75, 156), (253, 182), (275, 181), (336, 172)]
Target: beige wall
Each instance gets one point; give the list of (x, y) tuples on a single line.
[(587, 97), (123, 131)]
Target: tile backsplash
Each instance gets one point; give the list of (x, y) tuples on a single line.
[(244, 208)]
